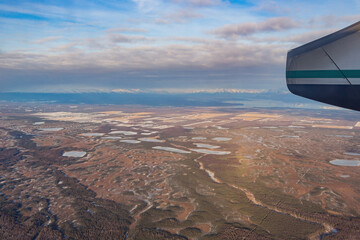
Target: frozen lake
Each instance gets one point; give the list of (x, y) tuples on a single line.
[(112, 138), (201, 145), (352, 154), (93, 134), (340, 136), (220, 128), (170, 149), (51, 129), (343, 162), (148, 133), (295, 126), (289, 136), (345, 176), (151, 140), (199, 138), (210, 151), (221, 139), (77, 154), (344, 136), (130, 141), (127, 133)]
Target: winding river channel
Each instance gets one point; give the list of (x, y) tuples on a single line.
[(329, 230)]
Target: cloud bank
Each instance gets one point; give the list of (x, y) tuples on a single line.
[(269, 25), (157, 44)]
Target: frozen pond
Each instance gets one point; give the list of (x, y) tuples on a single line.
[(340, 136), (51, 129), (220, 128), (77, 154), (162, 127), (130, 141), (112, 138), (199, 138), (127, 133), (210, 151), (295, 126), (201, 145), (344, 136), (289, 136), (148, 133), (93, 134), (348, 163), (345, 176), (352, 154), (38, 123), (221, 139), (151, 140), (170, 149)]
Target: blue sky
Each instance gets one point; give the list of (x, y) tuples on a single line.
[(92, 45)]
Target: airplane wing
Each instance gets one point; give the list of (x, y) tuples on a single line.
[(328, 69)]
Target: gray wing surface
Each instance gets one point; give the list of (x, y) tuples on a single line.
[(328, 69)]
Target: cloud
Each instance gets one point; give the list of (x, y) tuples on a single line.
[(330, 21), (121, 38), (271, 7), (189, 39), (147, 5), (182, 16), (244, 29), (308, 36), (212, 64), (196, 55), (47, 39), (120, 90), (199, 3), (127, 30), (133, 44), (206, 90), (292, 40)]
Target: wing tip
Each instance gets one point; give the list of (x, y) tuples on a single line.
[(355, 27)]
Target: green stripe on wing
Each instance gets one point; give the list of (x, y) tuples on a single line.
[(323, 74)]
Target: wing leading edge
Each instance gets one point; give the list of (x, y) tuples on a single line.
[(328, 69)]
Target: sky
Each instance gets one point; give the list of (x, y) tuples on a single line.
[(158, 45)]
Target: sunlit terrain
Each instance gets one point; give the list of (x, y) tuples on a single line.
[(117, 172)]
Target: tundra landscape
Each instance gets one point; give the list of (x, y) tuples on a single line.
[(118, 172)]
